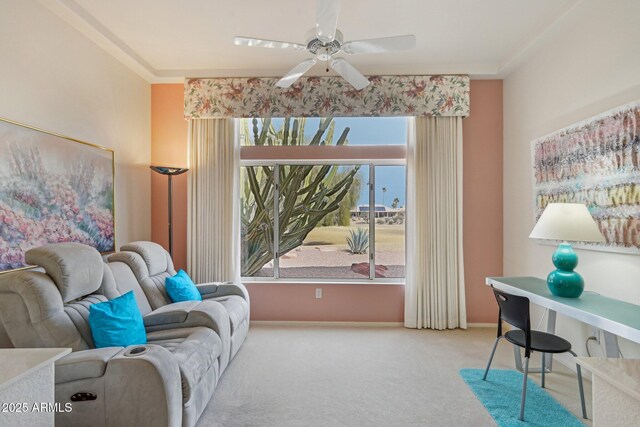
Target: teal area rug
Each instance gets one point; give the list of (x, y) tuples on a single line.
[(500, 395)]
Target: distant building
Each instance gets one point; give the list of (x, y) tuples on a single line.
[(380, 211)]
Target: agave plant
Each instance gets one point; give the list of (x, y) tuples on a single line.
[(358, 240)]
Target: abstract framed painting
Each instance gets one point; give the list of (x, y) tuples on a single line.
[(595, 162), (52, 189)]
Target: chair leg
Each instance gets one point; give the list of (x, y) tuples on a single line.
[(524, 388), (581, 388), (543, 368), (486, 371)]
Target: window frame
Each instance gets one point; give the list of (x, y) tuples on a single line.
[(370, 155)]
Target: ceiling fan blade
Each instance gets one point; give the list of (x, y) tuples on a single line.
[(327, 19), (384, 44), (295, 73), (350, 74), (272, 44)]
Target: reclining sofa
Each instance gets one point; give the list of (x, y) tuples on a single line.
[(166, 382), (152, 264)]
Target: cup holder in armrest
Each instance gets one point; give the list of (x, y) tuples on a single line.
[(138, 350)]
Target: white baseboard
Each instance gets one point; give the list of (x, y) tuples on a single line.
[(324, 323), (364, 324), (482, 325)]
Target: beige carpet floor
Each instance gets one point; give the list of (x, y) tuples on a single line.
[(364, 376)]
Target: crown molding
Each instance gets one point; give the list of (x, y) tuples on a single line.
[(89, 26), (74, 15), (479, 71)]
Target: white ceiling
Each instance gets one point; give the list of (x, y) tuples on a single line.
[(167, 40)]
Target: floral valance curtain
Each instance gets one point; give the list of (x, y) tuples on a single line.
[(327, 96)]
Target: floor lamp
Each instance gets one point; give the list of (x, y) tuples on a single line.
[(170, 172)]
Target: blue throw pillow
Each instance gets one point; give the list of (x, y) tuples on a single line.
[(117, 323), (181, 288)]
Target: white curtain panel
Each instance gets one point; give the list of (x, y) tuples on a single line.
[(213, 226), (434, 294)]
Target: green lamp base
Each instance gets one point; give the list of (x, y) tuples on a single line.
[(564, 282)]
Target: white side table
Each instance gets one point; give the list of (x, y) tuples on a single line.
[(27, 395), (616, 390)]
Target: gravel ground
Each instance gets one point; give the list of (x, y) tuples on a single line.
[(331, 261), (333, 256), (327, 272)]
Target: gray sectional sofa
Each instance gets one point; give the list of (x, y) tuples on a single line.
[(168, 381)]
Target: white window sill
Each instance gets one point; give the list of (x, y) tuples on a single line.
[(267, 280)]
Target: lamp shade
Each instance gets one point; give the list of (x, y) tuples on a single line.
[(569, 222), (168, 170)]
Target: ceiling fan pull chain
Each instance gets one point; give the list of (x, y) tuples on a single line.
[(327, 61)]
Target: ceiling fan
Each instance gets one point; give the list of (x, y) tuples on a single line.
[(324, 41)]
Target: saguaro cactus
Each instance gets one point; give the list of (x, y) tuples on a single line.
[(306, 192)]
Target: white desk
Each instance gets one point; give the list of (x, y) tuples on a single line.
[(27, 379), (616, 391), (614, 317)]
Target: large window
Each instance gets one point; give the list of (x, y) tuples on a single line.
[(314, 215)]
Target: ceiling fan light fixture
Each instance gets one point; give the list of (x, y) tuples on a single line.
[(325, 40), (270, 44)]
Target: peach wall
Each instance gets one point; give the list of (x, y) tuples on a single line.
[(482, 197), (362, 302), (339, 303), (169, 148), (168, 126)]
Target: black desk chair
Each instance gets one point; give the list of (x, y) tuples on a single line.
[(515, 311)]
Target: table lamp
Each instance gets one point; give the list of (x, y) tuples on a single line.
[(568, 222), (170, 172)]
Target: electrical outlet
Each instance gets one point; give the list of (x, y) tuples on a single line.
[(318, 293)]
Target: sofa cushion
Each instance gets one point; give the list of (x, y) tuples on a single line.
[(76, 269), (117, 323), (78, 312), (181, 288), (152, 287), (126, 281), (237, 308)]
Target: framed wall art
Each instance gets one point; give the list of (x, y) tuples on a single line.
[(595, 162), (52, 189)]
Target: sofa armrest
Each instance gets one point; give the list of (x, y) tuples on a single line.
[(188, 314), (222, 289), (208, 288), (170, 314), (142, 387), (84, 364)]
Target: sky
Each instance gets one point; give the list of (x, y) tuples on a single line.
[(374, 130), (379, 131)]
